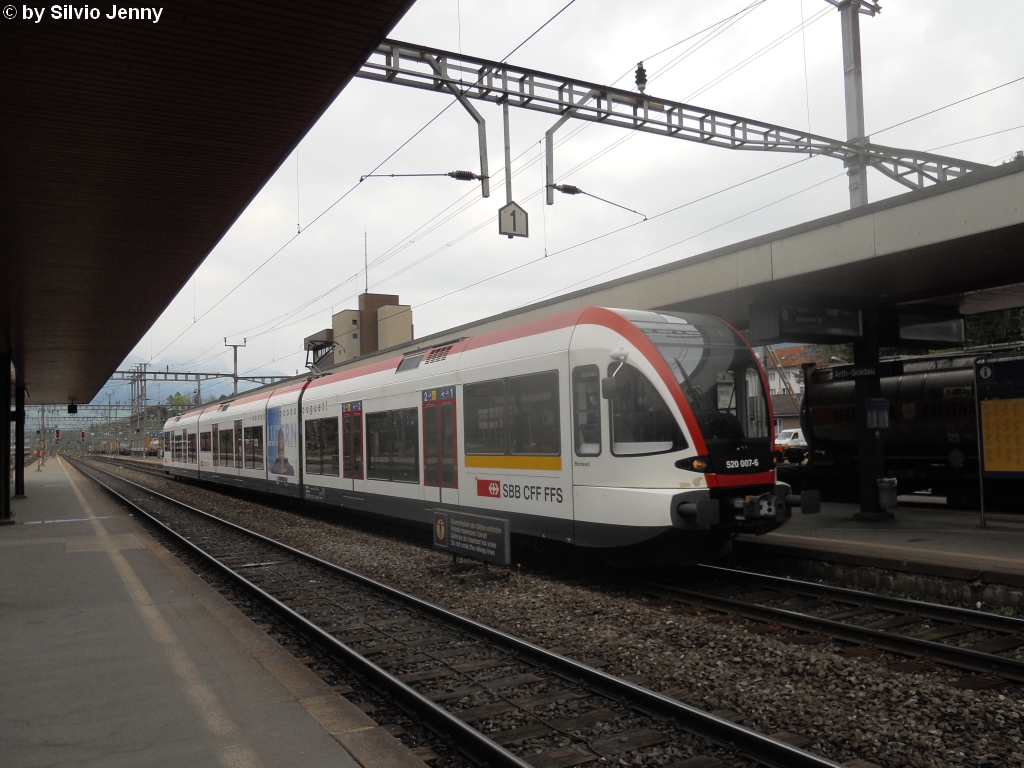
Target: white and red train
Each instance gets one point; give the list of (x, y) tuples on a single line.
[(645, 435)]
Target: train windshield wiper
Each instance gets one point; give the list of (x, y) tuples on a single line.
[(702, 399)]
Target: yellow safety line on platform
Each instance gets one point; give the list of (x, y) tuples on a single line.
[(1016, 561), (218, 722)]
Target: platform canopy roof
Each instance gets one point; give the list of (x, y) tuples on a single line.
[(127, 150)]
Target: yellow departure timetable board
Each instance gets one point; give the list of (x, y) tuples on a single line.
[(1002, 422), (1000, 398)]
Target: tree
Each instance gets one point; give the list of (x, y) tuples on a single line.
[(179, 400)]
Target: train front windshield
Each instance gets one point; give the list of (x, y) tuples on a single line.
[(722, 383)]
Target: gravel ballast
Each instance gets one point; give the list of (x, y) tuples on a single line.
[(849, 706)]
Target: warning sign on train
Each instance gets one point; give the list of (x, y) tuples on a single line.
[(513, 221)]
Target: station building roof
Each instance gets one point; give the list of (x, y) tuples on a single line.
[(127, 150), (956, 246)]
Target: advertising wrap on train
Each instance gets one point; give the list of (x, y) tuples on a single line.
[(282, 443)]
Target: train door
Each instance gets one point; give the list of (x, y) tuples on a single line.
[(440, 469), (588, 421), (239, 446), (352, 445)]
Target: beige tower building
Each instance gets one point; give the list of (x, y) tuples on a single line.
[(381, 321)]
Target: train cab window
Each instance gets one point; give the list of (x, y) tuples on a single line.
[(204, 442), (313, 447), (227, 449), (483, 416), (586, 410), (641, 422), (352, 435), (533, 424)]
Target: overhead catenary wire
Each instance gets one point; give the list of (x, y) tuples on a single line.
[(946, 106), (572, 189)]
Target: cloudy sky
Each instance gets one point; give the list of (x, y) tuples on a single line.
[(430, 237)]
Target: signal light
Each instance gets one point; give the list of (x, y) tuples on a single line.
[(58, 434), (83, 434)]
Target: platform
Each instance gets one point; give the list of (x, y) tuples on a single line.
[(115, 654), (924, 538)]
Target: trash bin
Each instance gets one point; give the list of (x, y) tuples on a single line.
[(887, 493)]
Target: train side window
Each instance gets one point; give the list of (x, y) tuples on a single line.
[(329, 462), (168, 445), (405, 444), (586, 410), (352, 433), (483, 417), (378, 446), (313, 447), (192, 458), (204, 442), (215, 444), (227, 448), (533, 423), (641, 422)]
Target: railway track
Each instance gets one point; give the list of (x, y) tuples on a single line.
[(930, 633), (138, 466), (505, 701)]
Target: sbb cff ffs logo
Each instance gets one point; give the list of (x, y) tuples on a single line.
[(488, 488), (495, 489)]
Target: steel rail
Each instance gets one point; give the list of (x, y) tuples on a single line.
[(954, 656), (756, 745), (952, 614)]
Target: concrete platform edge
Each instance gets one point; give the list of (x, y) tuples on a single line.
[(987, 575)]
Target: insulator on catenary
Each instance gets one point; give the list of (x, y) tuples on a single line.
[(464, 175), (568, 189), (641, 77)]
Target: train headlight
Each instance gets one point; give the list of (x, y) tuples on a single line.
[(694, 464)]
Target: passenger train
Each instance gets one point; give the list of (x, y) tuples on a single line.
[(644, 435)]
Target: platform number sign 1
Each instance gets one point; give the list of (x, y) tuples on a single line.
[(513, 221)]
